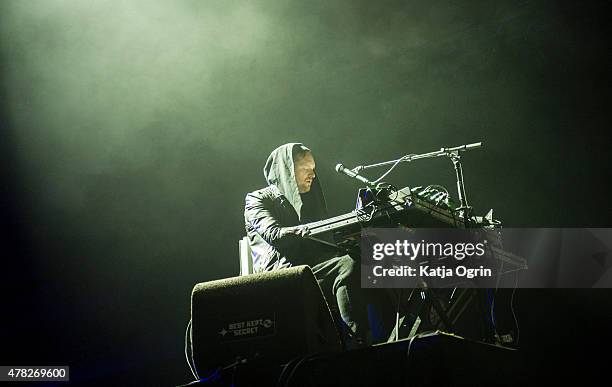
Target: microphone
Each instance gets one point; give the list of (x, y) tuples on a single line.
[(342, 169)]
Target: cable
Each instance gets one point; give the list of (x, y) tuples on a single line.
[(518, 331), (189, 363), (239, 360), (234, 367), (214, 376), (397, 312), (403, 158), (298, 364), (491, 300), (279, 382), (294, 369), (420, 335), (410, 344)]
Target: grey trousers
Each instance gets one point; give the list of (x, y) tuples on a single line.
[(339, 280)]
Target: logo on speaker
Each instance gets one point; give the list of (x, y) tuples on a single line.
[(248, 328)]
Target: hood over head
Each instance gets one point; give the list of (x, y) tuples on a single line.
[(279, 171)]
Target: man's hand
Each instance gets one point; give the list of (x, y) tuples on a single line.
[(301, 231)]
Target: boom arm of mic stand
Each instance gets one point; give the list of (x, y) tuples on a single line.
[(453, 154), (409, 158)]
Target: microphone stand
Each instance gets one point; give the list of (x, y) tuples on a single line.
[(454, 155), (463, 211)]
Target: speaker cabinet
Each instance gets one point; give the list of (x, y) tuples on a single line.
[(273, 317)]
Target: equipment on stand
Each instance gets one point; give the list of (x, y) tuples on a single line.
[(382, 205)]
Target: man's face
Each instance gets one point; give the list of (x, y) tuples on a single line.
[(304, 172)]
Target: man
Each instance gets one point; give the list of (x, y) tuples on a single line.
[(274, 221)]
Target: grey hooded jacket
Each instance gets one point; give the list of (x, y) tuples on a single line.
[(279, 205)]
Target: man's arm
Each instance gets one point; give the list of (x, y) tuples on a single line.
[(259, 217)]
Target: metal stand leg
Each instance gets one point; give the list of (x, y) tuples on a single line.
[(464, 208)]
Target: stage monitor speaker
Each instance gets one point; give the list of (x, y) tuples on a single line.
[(272, 317)]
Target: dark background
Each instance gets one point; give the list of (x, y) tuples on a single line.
[(131, 133)]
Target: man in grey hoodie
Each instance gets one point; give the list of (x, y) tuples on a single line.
[(274, 219)]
